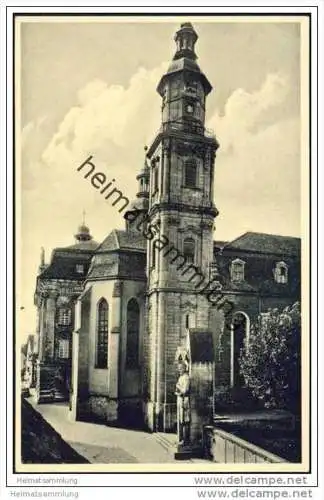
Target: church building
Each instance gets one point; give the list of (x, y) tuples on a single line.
[(113, 315)]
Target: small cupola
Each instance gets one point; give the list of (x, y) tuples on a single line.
[(143, 179), (83, 233), (139, 207), (42, 264), (185, 39)]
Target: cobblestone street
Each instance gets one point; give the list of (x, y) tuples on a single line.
[(101, 444)]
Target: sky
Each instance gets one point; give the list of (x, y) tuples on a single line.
[(89, 88)]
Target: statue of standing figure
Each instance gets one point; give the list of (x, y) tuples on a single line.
[(183, 404)]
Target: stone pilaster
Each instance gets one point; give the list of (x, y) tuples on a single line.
[(113, 353), (166, 158), (42, 327), (161, 355), (50, 324)]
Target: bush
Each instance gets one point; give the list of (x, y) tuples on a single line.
[(270, 362)]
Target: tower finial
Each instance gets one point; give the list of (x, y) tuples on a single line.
[(42, 256), (185, 39), (83, 233), (42, 264)]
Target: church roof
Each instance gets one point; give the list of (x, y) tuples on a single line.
[(64, 261), (265, 243), (83, 246), (220, 244), (123, 240), (185, 64)]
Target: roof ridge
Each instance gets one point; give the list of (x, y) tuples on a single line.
[(271, 234), (229, 243), (235, 239), (116, 237)]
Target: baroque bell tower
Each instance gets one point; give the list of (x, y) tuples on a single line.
[(181, 216)]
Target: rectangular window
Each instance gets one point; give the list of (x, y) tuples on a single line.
[(237, 271), (190, 173), (64, 317), (63, 349)]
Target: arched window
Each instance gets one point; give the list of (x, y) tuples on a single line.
[(132, 346), (190, 173), (239, 335), (187, 320), (237, 270), (102, 335), (189, 250)]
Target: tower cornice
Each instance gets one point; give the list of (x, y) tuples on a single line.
[(165, 132), (181, 207)]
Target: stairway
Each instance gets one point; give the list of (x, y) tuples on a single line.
[(50, 396), (167, 440)]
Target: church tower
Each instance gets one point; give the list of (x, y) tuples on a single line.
[(181, 219)]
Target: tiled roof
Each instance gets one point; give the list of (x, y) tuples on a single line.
[(266, 243), (103, 270), (123, 240), (220, 244), (63, 265), (89, 245), (259, 273), (127, 264)]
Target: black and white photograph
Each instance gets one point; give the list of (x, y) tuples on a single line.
[(162, 243)]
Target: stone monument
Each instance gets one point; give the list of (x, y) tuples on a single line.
[(194, 391), (183, 404)]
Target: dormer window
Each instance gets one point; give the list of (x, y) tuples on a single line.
[(79, 268), (237, 270), (281, 273)]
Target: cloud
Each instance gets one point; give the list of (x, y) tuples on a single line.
[(244, 112), (257, 164), (110, 122), (257, 180)]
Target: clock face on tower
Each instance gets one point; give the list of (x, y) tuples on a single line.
[(189, 108)]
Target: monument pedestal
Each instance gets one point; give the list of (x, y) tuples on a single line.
[(195, 392)]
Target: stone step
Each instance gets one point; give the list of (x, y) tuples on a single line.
[(46, 396), (167, 440)]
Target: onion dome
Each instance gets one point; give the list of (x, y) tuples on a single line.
[(83, 233)]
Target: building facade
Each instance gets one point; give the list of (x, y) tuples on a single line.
[(57, 287), (120, 322)]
